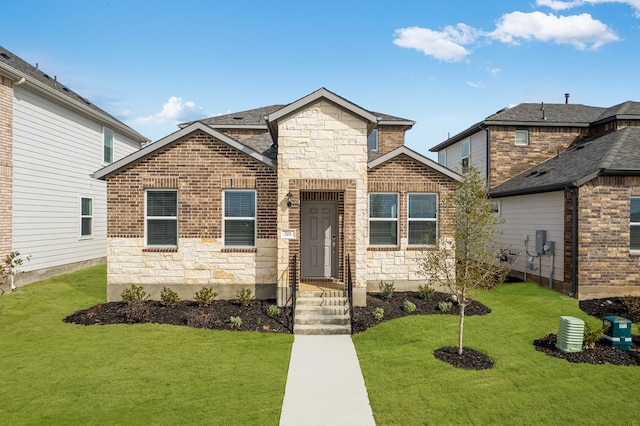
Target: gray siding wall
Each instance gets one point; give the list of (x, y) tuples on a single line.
[(478, 146), (55, 152), (526, 214)]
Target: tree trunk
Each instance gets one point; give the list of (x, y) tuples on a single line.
[(462, 304)]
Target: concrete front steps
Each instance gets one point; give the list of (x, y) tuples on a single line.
[(322, 312)]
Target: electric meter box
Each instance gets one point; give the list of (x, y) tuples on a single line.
[(541, 238), (617, 330)]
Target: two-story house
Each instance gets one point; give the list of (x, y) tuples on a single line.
[(51, 141), (316, 188), (566, 179)]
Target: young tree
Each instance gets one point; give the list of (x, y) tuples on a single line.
[(473, 261)]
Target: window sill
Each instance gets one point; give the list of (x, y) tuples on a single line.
[(160, 249), (419, 248), (239, 250), (383, 248), (634, 253)]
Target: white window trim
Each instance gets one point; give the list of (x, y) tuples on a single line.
[(147, 218), (467, 157), (442, 153), (423, 219), (632, 224), (82, 216), (385, 219), (106, 130), (255, 218), (516, 138)]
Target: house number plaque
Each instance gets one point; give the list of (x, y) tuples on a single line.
[(288, 234)]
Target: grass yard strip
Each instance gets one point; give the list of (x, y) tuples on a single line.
[(59, 373), (407, 385)]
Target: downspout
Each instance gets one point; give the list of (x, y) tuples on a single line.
[(574, 241)]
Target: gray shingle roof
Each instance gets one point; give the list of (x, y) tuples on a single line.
[(262, 144), (614, 153), (11, 60), (628, 109), (539, 114), (251, 117)]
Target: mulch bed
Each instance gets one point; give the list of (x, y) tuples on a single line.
[(254, 318)]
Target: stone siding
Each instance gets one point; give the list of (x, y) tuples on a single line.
[(403, 175), (606, 267), (6, 165), (323, 148), (508, 160), (200, 168)]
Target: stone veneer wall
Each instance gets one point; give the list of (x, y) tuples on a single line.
[(323, 147), (390, 138), (606, 268), (404, 175), (6, 165), (508, 160), (200, 168)]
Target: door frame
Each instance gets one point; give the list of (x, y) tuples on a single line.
[(335, 243)]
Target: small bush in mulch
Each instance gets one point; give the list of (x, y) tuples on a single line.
[(602, 352)]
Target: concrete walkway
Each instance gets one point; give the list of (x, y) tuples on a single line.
[(325, 384)]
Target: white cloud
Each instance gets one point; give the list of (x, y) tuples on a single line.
[(494, 71), (173, 111), (580, 31), (478, 85), (445, 45), (564, 5)]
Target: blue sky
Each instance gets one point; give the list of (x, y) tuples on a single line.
[(445, 64)]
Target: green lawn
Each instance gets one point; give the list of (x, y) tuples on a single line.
[(407, 385), (58, 373)]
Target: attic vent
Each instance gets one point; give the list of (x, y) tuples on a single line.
[(65, 89), (46, 76), (4, 55), (537, 173), (237, 117)]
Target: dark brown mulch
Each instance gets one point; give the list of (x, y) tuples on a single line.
[(216, 316), (603, 352), (363, 315), (469, 359)]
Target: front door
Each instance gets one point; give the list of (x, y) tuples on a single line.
[(319, 240)]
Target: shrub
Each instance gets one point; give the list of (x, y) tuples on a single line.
[(591, 336), (445, 306), (243, 297), (169, 297), (409, 306), (273, 311), (235, 322), (134, 294), (386, 289), (205, 296), (425, 291), (378, 314)]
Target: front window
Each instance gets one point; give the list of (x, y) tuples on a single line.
[(635, 224), (422, 218), (522, 137), (466, 153), (86, 217), (108, 145), (383, 219), (162, 218), (372, 140), (442, 157), (240, 218)]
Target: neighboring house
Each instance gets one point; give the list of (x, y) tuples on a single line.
[(244, 200), (51, 141), (573, 172)]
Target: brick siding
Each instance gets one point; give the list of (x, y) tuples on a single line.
[(199, 167), (390, 138)]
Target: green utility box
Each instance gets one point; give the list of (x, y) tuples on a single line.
[(617, 330)]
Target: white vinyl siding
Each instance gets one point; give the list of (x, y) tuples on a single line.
[(422, 219), (383, 219), (55, 152), (634, 242), (524, 215), (239, 218), (477, 153)]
